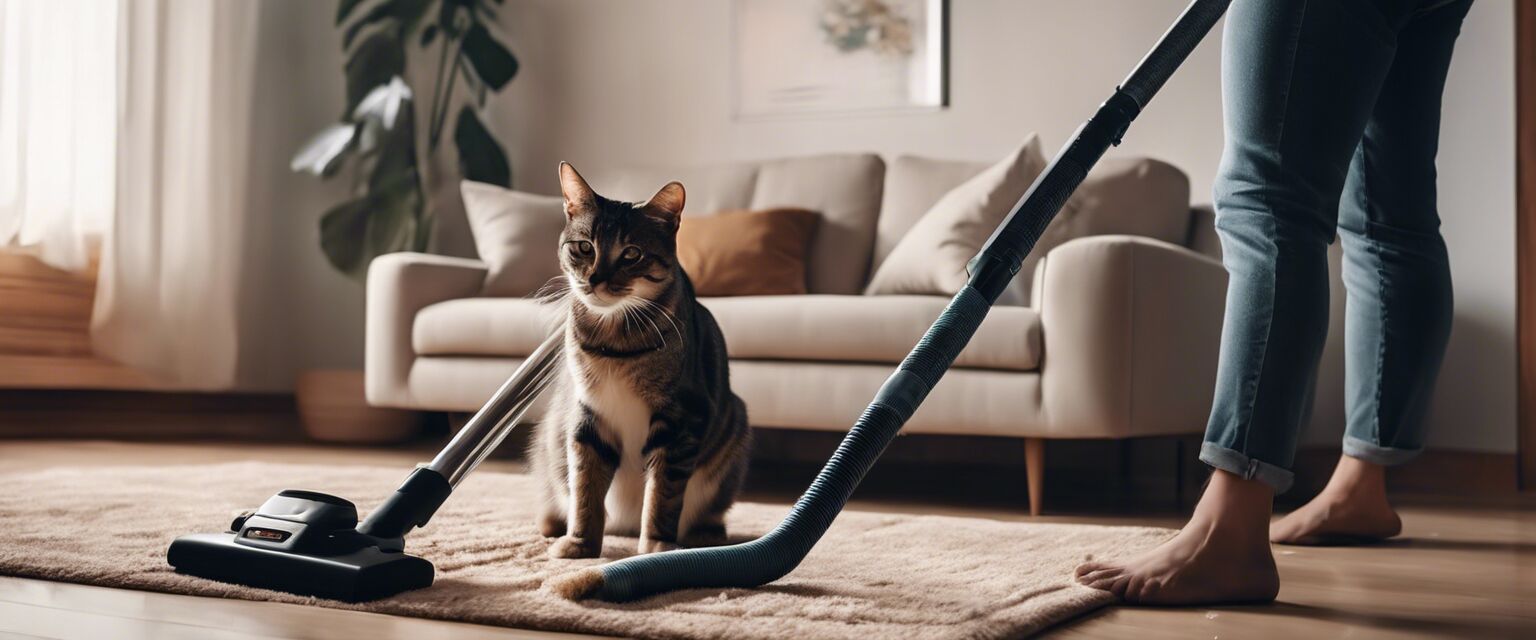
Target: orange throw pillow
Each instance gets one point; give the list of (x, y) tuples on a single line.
[(747, 253)]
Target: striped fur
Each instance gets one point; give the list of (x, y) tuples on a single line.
[(643, 436)]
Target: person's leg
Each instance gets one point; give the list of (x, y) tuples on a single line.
[(1299, 79), (1398, 317)]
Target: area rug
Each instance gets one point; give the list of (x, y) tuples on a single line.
[(872, 576)]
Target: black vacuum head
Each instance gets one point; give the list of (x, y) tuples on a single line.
[(305, 543)]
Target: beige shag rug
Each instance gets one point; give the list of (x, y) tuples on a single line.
[(872, 576)]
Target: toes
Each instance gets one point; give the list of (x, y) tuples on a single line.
[(1133, 588), (1098, 576), (1089, 567), (1119, 585), (570, 547)]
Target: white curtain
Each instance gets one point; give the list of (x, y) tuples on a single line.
[(57, 125), (166, 299)]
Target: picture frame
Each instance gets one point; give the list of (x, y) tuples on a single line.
[(808, 58)]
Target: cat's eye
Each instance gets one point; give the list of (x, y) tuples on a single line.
[(583, 247), (630, 254)]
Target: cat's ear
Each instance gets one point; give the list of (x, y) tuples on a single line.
[(667, 204), (578, 195)]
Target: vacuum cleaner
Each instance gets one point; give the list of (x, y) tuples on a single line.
[(312, 544)]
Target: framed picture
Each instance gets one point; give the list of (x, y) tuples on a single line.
[(803, 57)]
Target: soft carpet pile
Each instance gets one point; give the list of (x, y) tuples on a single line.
[(872, 576)]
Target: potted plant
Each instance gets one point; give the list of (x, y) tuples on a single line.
[(388, 155)]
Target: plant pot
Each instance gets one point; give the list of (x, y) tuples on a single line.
[(332, 408)]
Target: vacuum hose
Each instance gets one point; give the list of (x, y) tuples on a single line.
[(772, 556)]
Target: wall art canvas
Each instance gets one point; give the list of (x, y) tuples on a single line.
[(795, 57)]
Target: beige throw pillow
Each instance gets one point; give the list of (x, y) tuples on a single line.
[(930, 259), (516, 234)]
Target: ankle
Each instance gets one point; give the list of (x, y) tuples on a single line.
[(1235, 505), (1354, 479)]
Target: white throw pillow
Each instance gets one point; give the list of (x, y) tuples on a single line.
[(930, 259), (516, 234)]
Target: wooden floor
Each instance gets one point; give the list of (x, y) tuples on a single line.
[(1465, 567)]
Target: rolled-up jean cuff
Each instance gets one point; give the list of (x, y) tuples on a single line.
[(1241, 465), (1377, 454)]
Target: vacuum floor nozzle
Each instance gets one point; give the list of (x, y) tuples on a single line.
[(365, 574), (306, 543)]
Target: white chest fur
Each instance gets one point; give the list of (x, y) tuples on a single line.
[(625, 420)]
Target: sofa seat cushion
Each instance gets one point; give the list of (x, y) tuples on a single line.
[(828, 328), (812, 328), (482, 327)]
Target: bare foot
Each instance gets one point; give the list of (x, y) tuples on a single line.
[(1221, 556), (1353, 509), (573, 547)]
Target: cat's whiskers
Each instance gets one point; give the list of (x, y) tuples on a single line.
[(665, 313), (654, 326)]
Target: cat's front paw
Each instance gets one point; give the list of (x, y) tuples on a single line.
[(655, 546), (570, 547)]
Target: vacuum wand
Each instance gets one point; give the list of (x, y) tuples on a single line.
[(770, 557), (428, 486)]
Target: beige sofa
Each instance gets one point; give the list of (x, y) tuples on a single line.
[(1114, 336)]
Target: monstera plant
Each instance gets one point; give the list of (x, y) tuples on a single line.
[(377, 143)]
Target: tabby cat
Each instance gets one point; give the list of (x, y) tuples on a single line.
[(644, 436)]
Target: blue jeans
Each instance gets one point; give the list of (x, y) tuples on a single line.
[(1332, 123)]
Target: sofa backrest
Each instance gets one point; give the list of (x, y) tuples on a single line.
[(845, 188), (1128, 195), (866, 209)]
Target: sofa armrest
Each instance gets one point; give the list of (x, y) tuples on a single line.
[(399, 286), (1132, 331)]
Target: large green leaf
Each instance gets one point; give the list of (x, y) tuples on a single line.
[(396, 152), (405, 13), (355, 232), (480, 157), (344, 8), (323, 153), (341, 230), (492, 61), (374, 63)]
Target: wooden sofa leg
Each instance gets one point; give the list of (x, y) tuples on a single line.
[(1034, 468)]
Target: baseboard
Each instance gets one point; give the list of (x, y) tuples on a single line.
[(137, 415), (1436, 471)]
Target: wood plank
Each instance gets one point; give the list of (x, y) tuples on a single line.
[(1525, 234), (27, 371), (1436, 471), (136, 415), (45, 341), (60, 610)]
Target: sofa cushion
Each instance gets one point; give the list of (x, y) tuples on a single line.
[(744, 253), (1127, 195), (867, 329), (711, 188), (816, 328), (845, 189), (932, 257), (483, 327), (517, 236)]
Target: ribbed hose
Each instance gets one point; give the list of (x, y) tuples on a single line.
[(772, 556)]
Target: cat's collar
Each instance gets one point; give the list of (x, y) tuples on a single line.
[(607, 352)]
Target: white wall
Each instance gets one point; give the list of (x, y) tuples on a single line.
[(625, 83), (608, 84), (297, 312)]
